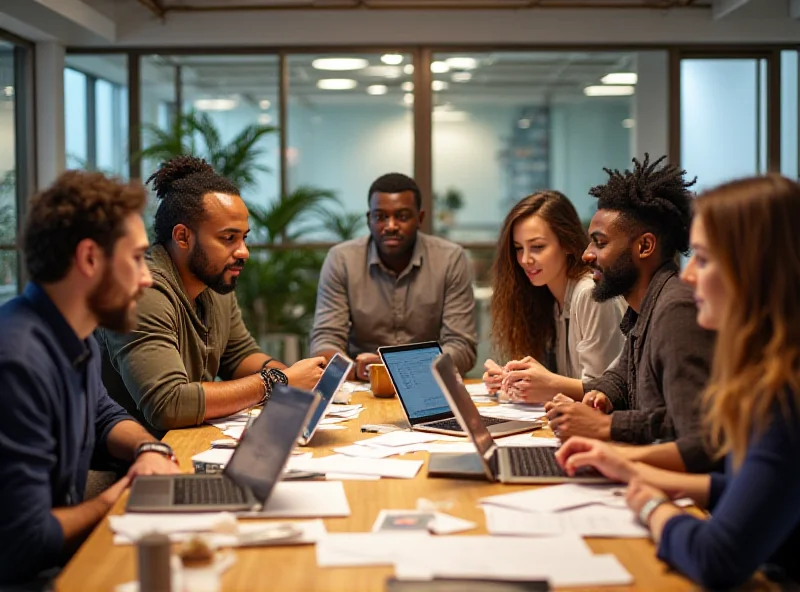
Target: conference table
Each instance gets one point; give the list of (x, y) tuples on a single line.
[(100, 565)]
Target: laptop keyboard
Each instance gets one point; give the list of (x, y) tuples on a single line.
[(193, 491), (452, 424), (533, 462)]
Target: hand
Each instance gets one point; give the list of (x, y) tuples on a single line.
[(579, 420), (305, 373), (110, 496), (638, 493), (559, 399), (527, 381), (493, 377), (599, 401), (364, 360), (152, 463), (580, 452)]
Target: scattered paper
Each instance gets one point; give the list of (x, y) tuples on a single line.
[(304, 499), (327, 428), (479, 389), (339, 463), (355, 387), (450, 447), (400, 438), (447, 524), (219, 456), (587, 521), (234, 432), (514, 411), (560, 497), (378, 451), (350, 477)]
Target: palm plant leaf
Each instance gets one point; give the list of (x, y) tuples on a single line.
[(277, 219), (239, 157), (344, 226)]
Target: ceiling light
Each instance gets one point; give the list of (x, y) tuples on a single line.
[(620, 78), (336, 84), (215, 104), (8, 91), (450, 116), (407, 87), (439, 85), (608, 91), (392, 59), (524, 123), (264, 119), (340, 64), (408, 69), (462, 63), (408, 99), (461, 76), (264, 104), (383, 71), (439, 67), (377, 89), (628, 123)]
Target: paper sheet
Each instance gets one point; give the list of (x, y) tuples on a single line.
[(305, 499), (400, 438), (378, 451), (478, 389), (560, 497), (587, 521), (339, 463), (350, 477), (514, 411), (222, 456), (355, 387)]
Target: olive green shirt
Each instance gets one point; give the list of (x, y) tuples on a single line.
[(156, 371)]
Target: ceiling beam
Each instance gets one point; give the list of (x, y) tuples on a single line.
[(722, 8), (794, 9)]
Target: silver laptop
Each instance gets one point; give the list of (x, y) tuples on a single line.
[(425, 407), (512, 464), (251, 474), (331, 381)]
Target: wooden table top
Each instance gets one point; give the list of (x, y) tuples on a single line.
[(100, 565)]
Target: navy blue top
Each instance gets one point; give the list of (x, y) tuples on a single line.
[(54, 410), (755, 515)]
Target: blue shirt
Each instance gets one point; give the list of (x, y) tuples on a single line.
[(755, 515), (54, 411)]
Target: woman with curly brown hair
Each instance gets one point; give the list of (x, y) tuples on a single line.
[(543, 315)]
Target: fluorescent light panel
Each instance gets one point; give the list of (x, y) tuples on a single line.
[(608, 91), (336, 84), (340, 64), (392, 59), (620, 78), (377, 89)]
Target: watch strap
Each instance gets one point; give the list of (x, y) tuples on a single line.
[(649, 507), (157, 447)]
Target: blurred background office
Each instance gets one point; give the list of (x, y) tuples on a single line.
[(305, 102)]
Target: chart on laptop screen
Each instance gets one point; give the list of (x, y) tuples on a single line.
[(413, 379)]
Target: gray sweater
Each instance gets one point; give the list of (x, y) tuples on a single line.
[(657, 382)]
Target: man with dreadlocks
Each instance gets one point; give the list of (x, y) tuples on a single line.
[(652, 392), (190, 327)]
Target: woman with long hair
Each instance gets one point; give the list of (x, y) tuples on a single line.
[(745, 272), (544, 318)]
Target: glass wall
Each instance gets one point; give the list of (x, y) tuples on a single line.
[(723, 119), (350, 120), (96, 113), (227, 110), (507, 124), (790, 126)]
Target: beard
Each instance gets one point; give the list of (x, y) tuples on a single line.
[(118, 317), (200, 266), (617, 280)]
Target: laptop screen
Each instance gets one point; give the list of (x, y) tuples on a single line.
[(463, 405), (410, 369), (330, 381), (265, 447)]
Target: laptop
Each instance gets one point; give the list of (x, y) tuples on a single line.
[(329, 383), (512, 464), (248, 478), (425, 407)]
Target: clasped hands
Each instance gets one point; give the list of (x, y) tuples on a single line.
[(519, 381)]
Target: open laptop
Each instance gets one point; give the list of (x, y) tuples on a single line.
[(426, 408), (331, 381), (512, 464), (251, 474)]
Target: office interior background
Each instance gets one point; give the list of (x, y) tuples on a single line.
[(306, 102)]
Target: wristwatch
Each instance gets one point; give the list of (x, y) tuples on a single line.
[(649, 507), (157, 447), (271, 377)]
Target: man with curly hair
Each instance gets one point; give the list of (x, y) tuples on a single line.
[(84, 244), (651, 393)]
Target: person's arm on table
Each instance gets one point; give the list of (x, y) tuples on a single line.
[(458, 336)]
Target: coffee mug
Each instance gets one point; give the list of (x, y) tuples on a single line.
[(379, 382)]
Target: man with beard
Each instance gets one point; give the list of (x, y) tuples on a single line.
[(190, 328), (652, 392), (395, 286), (84, 244)]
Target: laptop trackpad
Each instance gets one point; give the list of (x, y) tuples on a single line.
[(152, 491)]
